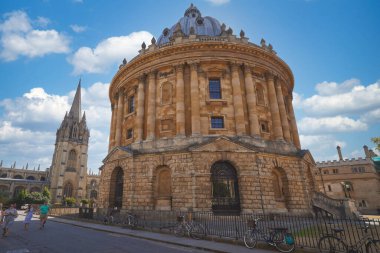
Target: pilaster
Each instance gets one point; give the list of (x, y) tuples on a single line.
[(180, 101), (251, 101), (139, 125), (151, 114), (120, 112), (276, 121), (283, 114), (195, 116), (238, 100)]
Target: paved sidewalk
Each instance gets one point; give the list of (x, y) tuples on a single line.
[(165, 238)]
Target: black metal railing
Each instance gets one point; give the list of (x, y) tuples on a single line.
[(306, 229)]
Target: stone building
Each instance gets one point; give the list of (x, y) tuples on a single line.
[(13, 180), (356, 178), (203, 120), (68, 175)]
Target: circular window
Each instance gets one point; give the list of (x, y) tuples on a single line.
[(200, 21), (165, 32)]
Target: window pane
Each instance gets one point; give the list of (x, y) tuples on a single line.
[(217, 122), (214, 89)]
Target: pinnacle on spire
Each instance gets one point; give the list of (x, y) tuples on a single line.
[(75, 110)]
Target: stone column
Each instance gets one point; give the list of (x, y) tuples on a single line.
[(283, 114), (194, 91), (151, 115), (139, 127), (238, 100), (276, 121), (180, 101), (120, 115), (254, 126), (293, 124), (111, 143)]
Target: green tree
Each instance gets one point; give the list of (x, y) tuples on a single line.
[(4, 196), (376, 140), (46, 193), (36, 198), (70, 201)]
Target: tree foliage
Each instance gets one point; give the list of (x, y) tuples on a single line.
[(376, 140), (46, 193)]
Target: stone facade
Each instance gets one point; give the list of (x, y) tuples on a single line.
[(203, 120), (13, 180), (356, 178), (68, 175)]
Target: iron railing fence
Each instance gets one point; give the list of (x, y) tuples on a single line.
[(307, 230)]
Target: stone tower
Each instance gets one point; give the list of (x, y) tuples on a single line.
[(68, 172)]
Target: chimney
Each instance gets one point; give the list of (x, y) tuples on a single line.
[(366, 152), (339, 153)]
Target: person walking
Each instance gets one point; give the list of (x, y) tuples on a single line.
[(9, 216), (44, 210), (29, 215)]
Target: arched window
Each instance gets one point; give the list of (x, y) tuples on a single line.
[(93, 184), (75, 130), (4, 175), (18, 177), (277, 186), (72, 160), (260, 94), (4, 188), (42, 179), (30, 178), (17, 191), (68, 190), (116, 188), (225, 189), (93, 194)]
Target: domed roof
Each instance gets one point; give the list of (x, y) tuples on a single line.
[(208, 26)]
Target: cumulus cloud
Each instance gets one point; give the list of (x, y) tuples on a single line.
[(29, 124), (309, 125), (78, 28), (18, 38), (346, 98), (322, 146), (218, 2), (108, 53)]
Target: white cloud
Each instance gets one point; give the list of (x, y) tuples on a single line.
[(347, 98), (372, 116), (108, 52), (78, 28), (42, 21), (321, 146), (335, 124), (39, 110), (218, 2), (18, 38)]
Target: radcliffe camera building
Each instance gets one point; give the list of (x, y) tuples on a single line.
[(203, 120)]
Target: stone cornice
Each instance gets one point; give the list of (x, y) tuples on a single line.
[(248, 53)]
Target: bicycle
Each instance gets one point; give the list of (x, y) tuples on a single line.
[(131, 221), (332, 243), (282, 240), (192, 229)]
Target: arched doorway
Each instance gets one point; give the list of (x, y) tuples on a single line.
[(163, 188), (93, 194), (225, 188), (17, 191), (116, 188)]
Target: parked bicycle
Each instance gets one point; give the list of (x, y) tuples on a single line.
[(277, 237), (192, 229), (131, 221), (333, 243)]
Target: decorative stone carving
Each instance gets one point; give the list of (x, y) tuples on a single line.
[(242, 34), (263, 43), (143, 46), (229, 31), (153, 41), (192, 31)]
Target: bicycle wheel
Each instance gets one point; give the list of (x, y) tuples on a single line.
[(284, 241), (373, 246), (132, 222), (331, 244), (197, 232), (179, 231), (250, 238)]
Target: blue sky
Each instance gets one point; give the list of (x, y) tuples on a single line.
[(46, 46)]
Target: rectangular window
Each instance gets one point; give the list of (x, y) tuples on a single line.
[(264, 126), (214, 89), (129, 133), (131, 104), (329, 187), (335, 171), (217, 122)]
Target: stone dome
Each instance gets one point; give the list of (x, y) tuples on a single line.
[(192, 18)]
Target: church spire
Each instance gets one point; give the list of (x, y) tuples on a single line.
[(75, 110)]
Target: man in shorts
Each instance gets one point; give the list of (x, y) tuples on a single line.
[(9, 217), (44, 210)]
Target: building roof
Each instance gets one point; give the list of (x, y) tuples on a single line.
[(192, 23), (376, 161)]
